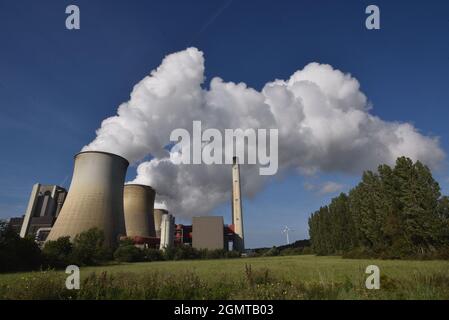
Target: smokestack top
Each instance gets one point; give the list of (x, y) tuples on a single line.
[(234, 160), (108, 153)]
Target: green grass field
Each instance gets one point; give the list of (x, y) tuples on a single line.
[(293, 277)]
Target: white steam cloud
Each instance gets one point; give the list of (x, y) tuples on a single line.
[(322, 116)]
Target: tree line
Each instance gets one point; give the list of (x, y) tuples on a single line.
[(87, 249), (392, 213)]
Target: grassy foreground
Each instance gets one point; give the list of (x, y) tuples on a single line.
[(286, 277)]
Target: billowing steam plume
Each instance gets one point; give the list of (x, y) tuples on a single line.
[(322, 116)]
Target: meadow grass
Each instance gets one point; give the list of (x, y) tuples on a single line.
[(284, 277)]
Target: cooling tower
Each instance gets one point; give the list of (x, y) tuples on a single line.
[(95, 197), (138, 203), (158, 213)]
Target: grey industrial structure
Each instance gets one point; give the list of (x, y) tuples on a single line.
[(158, 213), (208, 233), (16, 223), (43, 208), (98, 198), (167, 231)]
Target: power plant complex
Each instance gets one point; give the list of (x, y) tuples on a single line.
[(99, 198)]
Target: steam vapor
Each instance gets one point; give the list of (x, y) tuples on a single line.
[(323, 120)]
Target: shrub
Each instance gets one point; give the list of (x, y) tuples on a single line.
[(126, 241), (232, 254), (89, 248), (128, 253), (307, 250), (215, 254), (58, 253), (291, 252), (189, 253), (186, 253), (357, 253), (272, 252), (169, 253), (153, 254), (17, 254)]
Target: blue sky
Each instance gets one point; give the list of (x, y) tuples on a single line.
[(56, 86)]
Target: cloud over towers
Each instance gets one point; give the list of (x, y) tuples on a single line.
[(323, 118)]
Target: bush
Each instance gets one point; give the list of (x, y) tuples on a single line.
[(169, 253), (189, 253), (182, 253), (272, 252), (358, 253), (153, 254), (232, 254), (186, 253), (89, 248), (126, 241), (307, 250), (291, 252), (215, 254), (58, 253), (128, 253), (17, 254)]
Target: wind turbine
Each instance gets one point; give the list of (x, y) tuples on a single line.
[(286, 230)]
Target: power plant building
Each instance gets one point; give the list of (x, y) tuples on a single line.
[(95, 197), (44, 206), (167, 231), (98, 198), (138, 202), (158, 213), (208, 233)]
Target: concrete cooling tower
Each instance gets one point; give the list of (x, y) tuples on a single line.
[(158, 213), (95, 197), (138, 202)]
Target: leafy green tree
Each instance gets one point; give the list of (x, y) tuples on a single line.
[(89, 248), (58, 253), (151, 254), (129, 253), (17, 254), (394, 212), (272, 252), (418, 194)]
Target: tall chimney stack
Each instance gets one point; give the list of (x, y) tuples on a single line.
[(237, 214)]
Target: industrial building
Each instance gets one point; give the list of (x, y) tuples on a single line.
[(98, 198), (167, 231), (208, 233), (138, 202), (158, 213), (15, 224), (44, 206), (95, 197)]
